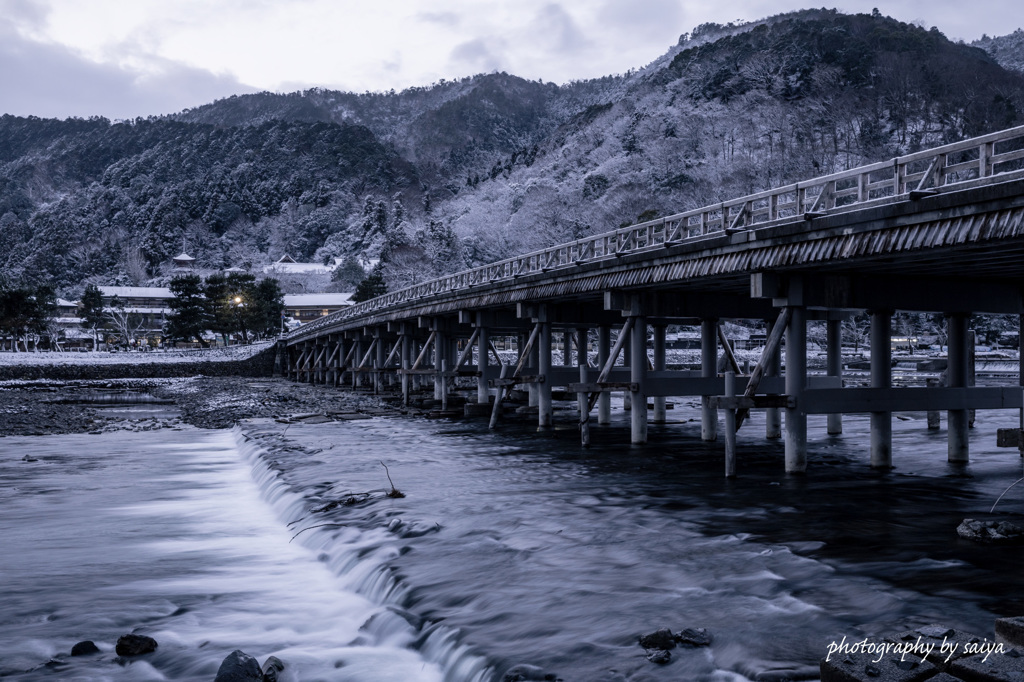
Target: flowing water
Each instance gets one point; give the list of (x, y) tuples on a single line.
[(510, 547)]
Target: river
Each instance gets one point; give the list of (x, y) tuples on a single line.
[(510, 547)]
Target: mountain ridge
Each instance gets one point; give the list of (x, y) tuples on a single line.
[(470, 170)]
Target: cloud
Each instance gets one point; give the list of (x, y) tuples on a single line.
[(643, 19), (555, 28), (477, 56), (52, 81), (449, 19)]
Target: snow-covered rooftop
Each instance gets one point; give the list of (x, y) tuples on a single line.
[(316, 300), (137, 292)]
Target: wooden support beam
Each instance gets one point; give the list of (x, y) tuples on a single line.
[(620, 341), (394, 351), (425, 350), (727, 346), (773, 341), (503, 391), (597, 387), (366, 357), (467, 352)]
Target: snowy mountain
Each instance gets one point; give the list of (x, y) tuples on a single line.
[(433, 179), (1008, 50)]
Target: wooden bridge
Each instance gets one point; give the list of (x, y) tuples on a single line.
[(937, 231)]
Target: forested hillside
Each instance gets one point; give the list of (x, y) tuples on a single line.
[(434, 179)]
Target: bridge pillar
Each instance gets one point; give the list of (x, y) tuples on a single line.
[(567, 348), (773, 416), (638, 376), (708, 369), (881, 377), (956, 374), (544, 372), (483, 340), (796, 382), (378, 362), (406, 361), (357, 356), (532, 365), (659, 416), (834, 345), (604, 349), (582, 361), (627, 362), (440, 353)]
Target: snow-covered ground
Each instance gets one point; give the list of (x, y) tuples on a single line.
[(135, 357)]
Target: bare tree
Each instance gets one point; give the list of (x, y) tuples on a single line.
[(125, 322)]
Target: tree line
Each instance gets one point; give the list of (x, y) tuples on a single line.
[(229, 304)]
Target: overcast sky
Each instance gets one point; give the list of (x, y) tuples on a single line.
[(127, 58)]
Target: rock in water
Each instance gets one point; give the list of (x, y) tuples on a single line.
[(271, 667), (84, 648), (694, 637), (659, 656), (239, 667), (526, 673), (135, 645), (663, 639), (990, 531)]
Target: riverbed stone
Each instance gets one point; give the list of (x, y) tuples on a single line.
[(659, 656), (239, 666), (523, 672), (271, 668), (135, 645), (694, 637), (955, 641), (990, 531), (663, 639), (1010, 630), (84, 648), (1007, 666), (862, 667)]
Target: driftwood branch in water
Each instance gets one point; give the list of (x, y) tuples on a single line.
[(394, 492)]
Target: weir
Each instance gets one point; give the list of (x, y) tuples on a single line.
[(938, 231)]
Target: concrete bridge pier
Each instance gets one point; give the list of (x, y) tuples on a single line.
[(796, 382), (604, 349), (638, 377), (708, 370), (440, 346), (659, 416), (956, 374), (378, 361), (544, 410), (532, 364), (627, 356), (483, 340), (773, 416), (357, 355), (881, 377), (405, 360), (582, 363), (834, 346)]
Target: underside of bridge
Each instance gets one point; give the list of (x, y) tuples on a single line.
[(954, 252)]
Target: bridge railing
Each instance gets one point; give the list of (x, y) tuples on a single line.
[(975, 161)]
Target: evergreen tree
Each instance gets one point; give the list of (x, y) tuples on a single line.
[(90, 309), (190, 317), (371, 287), (263, 314)]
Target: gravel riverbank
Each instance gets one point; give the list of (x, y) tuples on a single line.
[(50, 407)]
